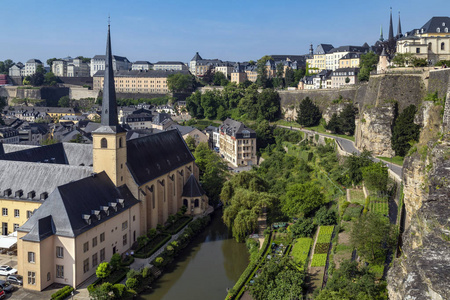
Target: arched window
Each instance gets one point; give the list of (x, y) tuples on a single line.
[(446, 30), (185, 202), (196, 203), (442, 46), (104, 143), (429, 46), (120, 143)]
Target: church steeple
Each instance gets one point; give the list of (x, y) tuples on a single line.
[(381, 33), (399, 29), (109, 104), (391, 28)]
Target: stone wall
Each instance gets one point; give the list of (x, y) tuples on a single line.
[(77, 93)]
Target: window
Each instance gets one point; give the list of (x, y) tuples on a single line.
[(16, 226), (86, 265), (4, 212), (120, 143), (59, 252), (49, 276), (31, 257), (417, 50), (94, 260), (102, 254), (124, 225), (429, 46), (16, 213), (94, 242), (196, 203), (86, 247), (59, 271), (134, 218), (438, 30), (124, 239), (442, 46), (102, 237), (103, 143), (31, 278)]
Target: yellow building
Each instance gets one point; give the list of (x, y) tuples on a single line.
[(350, 60), (431, 41), (138, 81), (132, 186)]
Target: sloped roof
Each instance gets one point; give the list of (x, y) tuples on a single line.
[(142, 73), (192, 188), (235, 128), (2, 151), (34, 60), (37, 177), (182, 129), (69, 202), (152, 156), (50, 154), (434, 23), (114, 57), (196, 57)]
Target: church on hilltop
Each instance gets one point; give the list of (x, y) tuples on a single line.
[(84, 203)]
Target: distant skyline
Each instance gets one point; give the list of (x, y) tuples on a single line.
[(234, 30)]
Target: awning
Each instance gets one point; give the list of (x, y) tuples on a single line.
[(7, 241)]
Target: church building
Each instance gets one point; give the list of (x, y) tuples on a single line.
[(102, 208)]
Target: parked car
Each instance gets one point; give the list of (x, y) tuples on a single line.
[(7, 270), (2, 294), (15, 279), (6, 286)]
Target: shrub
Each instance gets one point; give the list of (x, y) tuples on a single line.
[(118, 290), (62, 293), (132, 283), (115, 261), (146, 272), (133, 273), (103, 270)]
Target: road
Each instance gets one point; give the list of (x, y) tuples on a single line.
[(349, 147)]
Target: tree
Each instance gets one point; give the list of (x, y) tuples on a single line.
[(179, 83), (103, 270), (268, 105), (222, 113), (209, 104), (372, 235), (50, 61), (290, 77), (220, 79), (302, 199), (115, 261), (405, 131), (132, 283), (64, 101), (51, 79), (347, 120), (37, 79), (376, 177), (333, 124), (368, 63), (264, 135), (84, 59), (325, 217), (309, 113), (190, 142), (354, 165), (262, 78), (402, 59), (194, 105), (302, 228)]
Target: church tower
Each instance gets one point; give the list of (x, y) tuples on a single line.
[(399, 29), (109, 140), (391, 28)]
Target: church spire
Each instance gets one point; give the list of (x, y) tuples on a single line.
[(399, 29), (109, 105), (381, 33), (391, 28)]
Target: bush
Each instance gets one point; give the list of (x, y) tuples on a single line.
[(115, 261), (62, 293), (302, 228), (132, 283), (146, 272), (325, 217), (118, 290)]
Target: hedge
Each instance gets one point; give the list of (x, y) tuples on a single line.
[(154, 249), (238, 289), (62, 293), (180, 223)]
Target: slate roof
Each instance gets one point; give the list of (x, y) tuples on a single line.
[(196, 57), (350, 48), (434, 23), (351, 55), (182, 129), (138, 133), (142, 73), (154, 155), (192, 188), (37, 177), (115, 57), (34, 60), (323, 48), (2, 151), (142, 62), (169, 63), (235, 129), (63, 213)]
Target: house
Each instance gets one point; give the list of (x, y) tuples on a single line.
[(430, 42), (70, 67), (344, 76), (94, 212), (30, 67), (119, 63), (142, 65), (16, 70), (334, 55), (317, 61), (193, 132), (237, 143), (170, 66), (9, 135), (350, 60)]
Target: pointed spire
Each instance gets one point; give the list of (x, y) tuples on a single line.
[(391, 28), (381, 33), (399, 29), (311, 51), (109, 105)]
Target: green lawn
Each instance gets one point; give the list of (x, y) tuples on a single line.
[(398, 160), (379, 206), (357, 196), (300, 251), (319, 129)]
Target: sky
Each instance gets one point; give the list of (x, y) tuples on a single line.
[(233, 30)]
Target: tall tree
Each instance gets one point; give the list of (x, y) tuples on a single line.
[(263, 78), (302, 199), (405, 131), (309, 113), (368, 63), (180, 83)]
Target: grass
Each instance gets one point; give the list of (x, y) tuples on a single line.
[(353, 211), (324, 238), (357, 196), (379, 205), (300, 251), (319, 260), (319, 129), (343, 248), (326, 230), (378, 270), (398, 160)]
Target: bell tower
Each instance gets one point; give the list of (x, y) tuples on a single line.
[(109, 140)]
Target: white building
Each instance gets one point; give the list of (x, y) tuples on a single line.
[(119, 63), (142, 65), (31, 67), (170, 65), (16, 70)]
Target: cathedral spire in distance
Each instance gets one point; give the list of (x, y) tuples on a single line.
[(109, 104), (391, 29), (399, 29), (381, 33)]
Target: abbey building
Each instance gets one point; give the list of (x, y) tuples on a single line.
[(80, 204)]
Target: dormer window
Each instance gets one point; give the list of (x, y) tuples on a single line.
[(443, 23), (43, 196), (121, 202), (246, 133), (113, 205), (7, 192), (19, 193), (87, 219), (96, 213), (105, 209), (31, 194), (438, 30), (446, 30)]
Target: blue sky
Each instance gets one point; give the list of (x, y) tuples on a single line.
[(174, 30)]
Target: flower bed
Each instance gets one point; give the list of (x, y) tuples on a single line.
[(174, 228), (321, 248), (379, 205), (148, 249)]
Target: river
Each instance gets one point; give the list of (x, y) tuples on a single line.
[(212, 262)]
